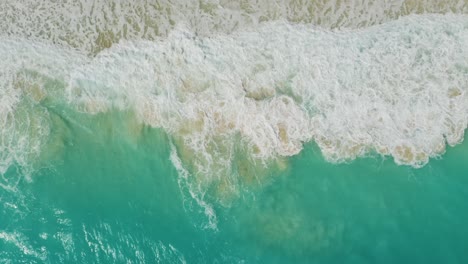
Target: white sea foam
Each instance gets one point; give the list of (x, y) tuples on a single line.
[(21, 243), (397, 89), (102, 242), (93, 25), (24, 124), (193, 189)]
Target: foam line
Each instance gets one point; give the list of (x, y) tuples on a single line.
[(397, 89)]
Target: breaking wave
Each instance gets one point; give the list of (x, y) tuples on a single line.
[(253, 96)]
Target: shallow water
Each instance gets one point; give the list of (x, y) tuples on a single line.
[(113, 198), (288, 133)]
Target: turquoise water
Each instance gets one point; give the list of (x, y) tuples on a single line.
[(233, 131), (113, 197)]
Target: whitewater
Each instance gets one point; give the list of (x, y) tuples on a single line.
[(234, 91), (396, 89)]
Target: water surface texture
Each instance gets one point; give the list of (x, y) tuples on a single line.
[(233, 131)]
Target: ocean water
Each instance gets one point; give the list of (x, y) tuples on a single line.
[(233, 132)]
